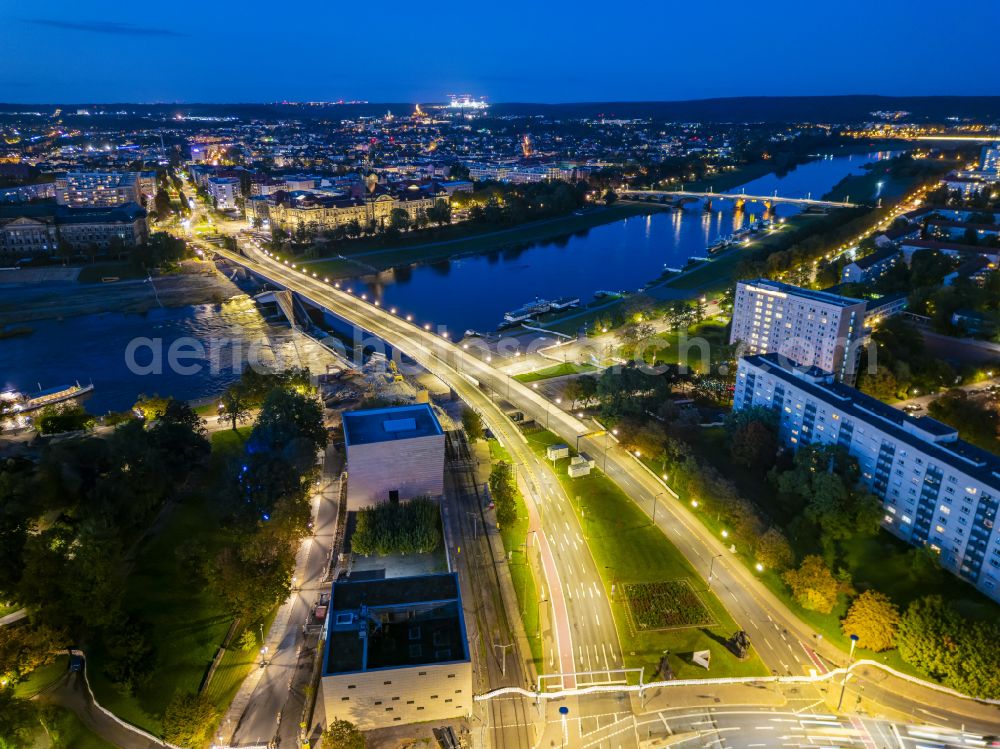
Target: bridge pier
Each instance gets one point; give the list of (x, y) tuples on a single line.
[(708, 205)]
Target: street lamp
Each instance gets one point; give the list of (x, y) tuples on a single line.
[(656, 497), (711, 569), (847, 671)]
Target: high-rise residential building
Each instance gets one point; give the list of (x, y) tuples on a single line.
[(106, 189), (814, 328), (937, 490), (225, 191)]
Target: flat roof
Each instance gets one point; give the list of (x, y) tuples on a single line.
[(388, 424), (392, 623), (818, 296), (943, 444)]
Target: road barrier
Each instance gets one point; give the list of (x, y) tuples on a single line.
[(642, 687)]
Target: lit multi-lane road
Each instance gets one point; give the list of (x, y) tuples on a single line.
[(584, 635)]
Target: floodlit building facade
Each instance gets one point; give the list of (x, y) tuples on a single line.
[(40, 229), (225, 192), (937, 490), (396, 652), (814, 328), (107, 189), (392, 454)]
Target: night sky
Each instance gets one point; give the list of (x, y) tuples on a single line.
[(541, 51)]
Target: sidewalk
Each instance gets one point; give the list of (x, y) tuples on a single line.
[(286, 633)]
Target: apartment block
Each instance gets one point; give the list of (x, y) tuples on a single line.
[(937, 490), (814, 328)]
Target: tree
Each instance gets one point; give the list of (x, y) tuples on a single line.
[(440, 212), (472, 423), (342, 734), (161, 202), (926, 637), (18, 720), (248, 640), (581, 389), (399, 219), (881, 385), (236, 404), (23, 649), (753, 438), (813, 585), (286, 418), (874, 619), (189, 719), (773, 550), (503, 491), (151, 407), (130, 656)]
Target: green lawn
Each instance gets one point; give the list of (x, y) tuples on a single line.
[(556, 370), (520, 571), (186, 624), (622, 537), (63, 730), (701, 346), (43, 677)]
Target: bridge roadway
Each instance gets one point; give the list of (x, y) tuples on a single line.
[(773, 199), (784, 643), (584, 633)]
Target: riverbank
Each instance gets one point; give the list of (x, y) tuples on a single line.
[(726, 181), (197, 283), (373, 261)]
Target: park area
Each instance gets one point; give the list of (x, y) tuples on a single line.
[(186, 624)]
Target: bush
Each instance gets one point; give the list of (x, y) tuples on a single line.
[(189, 719), (65, 418), (412, 527)]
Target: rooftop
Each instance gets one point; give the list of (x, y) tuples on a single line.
[(817, 296), (395, 623), (935, 439), (388, 424)]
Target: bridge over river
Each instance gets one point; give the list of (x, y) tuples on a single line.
[(738, 198)]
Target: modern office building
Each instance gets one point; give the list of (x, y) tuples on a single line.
[(937, 490), (106, 189), (225, 191), (814, 328), (396, 652), (393, 453), (40, 229)]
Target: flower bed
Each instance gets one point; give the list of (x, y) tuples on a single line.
[(665, 605)]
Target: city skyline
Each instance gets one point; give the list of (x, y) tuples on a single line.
[(525, 54)]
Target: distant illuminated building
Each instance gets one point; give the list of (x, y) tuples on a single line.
[(526, 147), (989, 159), (465, 101)]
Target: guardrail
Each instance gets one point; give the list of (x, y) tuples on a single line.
[(642, 687)]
